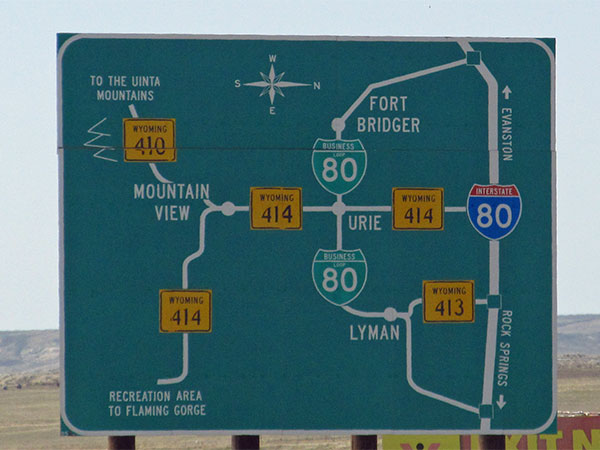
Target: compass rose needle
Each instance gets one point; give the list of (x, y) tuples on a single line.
[(283, 84), (267, 79)]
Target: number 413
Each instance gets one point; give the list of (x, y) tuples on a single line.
[(451, 307)]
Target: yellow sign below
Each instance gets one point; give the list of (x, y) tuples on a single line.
[(185, 311), (439, 442), (448, 301), (275, 208), (149, 140), (418, 208)]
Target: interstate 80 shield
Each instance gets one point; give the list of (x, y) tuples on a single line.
[(494, 210)]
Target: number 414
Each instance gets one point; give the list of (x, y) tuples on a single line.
[(416, 215), (273, 213), (182, 315)]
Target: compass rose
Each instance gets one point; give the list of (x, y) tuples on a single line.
[(272, 84)]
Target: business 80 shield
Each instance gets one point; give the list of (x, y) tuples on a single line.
[(494, 210), (339, 275)]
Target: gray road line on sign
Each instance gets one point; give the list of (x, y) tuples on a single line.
[(317, 208), (339, 224), (153, 167), (184, 275), (226, 208), (493, 175), (184, 368), (409, 377), (384, 208), (492, 85), (407, 317), (395, 80), (487, 395), (185, 342)]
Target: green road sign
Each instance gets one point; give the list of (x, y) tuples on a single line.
[(307, 234)]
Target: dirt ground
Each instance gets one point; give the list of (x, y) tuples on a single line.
[(30, 411)]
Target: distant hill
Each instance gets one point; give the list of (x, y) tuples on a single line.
[(29, 351), (579, 334), (39, 351)]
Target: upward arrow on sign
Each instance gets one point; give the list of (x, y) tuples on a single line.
[(506, 91)]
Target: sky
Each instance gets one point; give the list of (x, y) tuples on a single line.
[(29, 272)]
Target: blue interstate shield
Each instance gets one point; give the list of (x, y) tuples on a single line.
[(494, 210)]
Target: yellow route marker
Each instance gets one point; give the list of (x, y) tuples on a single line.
[(418, 208), (149, 140), (449, 301), (437, 442), (185, 311), (275, 208)]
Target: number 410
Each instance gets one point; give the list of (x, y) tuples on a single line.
[(146, 144)]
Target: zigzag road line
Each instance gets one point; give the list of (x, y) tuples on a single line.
[(102, 148)]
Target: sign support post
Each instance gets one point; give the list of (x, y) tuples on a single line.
[(245, 442), (121, 443), (364, 442), (492, 442)]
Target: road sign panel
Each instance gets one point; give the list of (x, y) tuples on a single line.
[(320, 329)]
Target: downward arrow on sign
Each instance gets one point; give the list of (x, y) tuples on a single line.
[(501, 402)]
